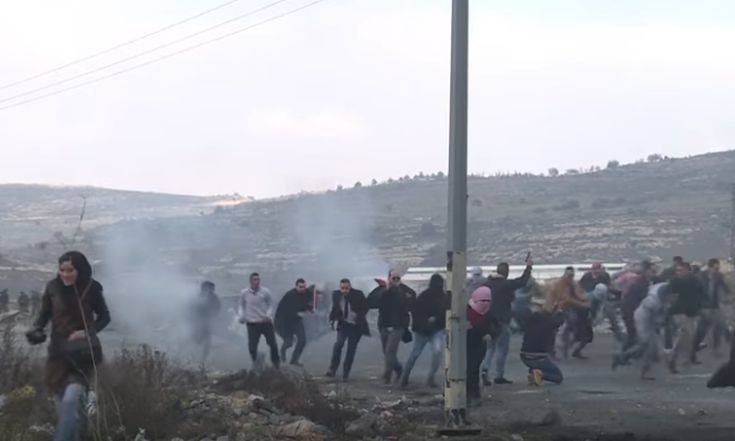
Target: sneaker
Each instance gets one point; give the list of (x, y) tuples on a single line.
[(501, 380), (538, 377)]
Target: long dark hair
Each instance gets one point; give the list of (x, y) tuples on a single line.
[(80, 263)]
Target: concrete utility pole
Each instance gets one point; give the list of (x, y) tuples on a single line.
[(455, 360), (732, 228)]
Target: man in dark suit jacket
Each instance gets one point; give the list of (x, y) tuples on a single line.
[(349, 307)]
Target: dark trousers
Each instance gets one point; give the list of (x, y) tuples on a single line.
[(476, 348), (295, 330), (255, 330), (631, 334), (346, 333)]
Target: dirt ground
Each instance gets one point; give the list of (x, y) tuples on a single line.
[(593, 402)]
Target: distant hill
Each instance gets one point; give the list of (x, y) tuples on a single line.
[(666, 207), (33, 213)]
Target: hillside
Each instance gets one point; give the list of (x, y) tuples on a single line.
[(674, 206)]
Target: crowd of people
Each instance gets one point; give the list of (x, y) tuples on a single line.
[(670, 312)]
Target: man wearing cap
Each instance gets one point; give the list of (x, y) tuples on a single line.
[(393, 302)]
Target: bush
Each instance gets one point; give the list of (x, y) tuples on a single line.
[(20, 383), (553, 172), (297, 396), (613, 164), (141, 389)]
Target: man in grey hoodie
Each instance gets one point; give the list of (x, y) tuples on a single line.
[(650, 317)]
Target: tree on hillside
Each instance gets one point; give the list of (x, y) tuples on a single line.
[(571, 172), (358, 184), (340, 187), (374, 182), (613, 164), (553, 172), (654, 157), (440, 175)]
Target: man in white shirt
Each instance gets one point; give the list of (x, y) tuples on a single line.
[(256, 311)]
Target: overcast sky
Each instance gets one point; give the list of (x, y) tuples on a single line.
[(352, 90)]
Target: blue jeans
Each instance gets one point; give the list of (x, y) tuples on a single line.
[(70, 410), (436, 344), (502, 344), (550, 371)]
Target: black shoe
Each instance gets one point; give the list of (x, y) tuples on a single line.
[(502, 380), (345, 376), (485, 379), (399, 371), (329, 374), (579, 356), (296, 363)]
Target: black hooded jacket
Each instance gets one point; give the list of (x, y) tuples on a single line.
[(432, 302), (292, 303)]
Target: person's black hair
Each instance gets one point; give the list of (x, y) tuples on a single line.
[(207, 285), (677, 259), (646, 265), (712, 262), (436, 282), (503, 269), (300, 280), (686, 265), (254, 275), (80, 263), (569, 268), (345, 281)]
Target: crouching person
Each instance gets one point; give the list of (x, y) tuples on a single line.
[(74, 304), (349, 308), (538, 344)]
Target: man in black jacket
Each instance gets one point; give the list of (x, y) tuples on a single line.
[(289, 322), (428, 323), (202, 316), (393, 304), (685, 312), (349, 308), (711, 316), (504, 293)]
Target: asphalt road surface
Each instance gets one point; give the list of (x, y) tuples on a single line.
[(593, 400)]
